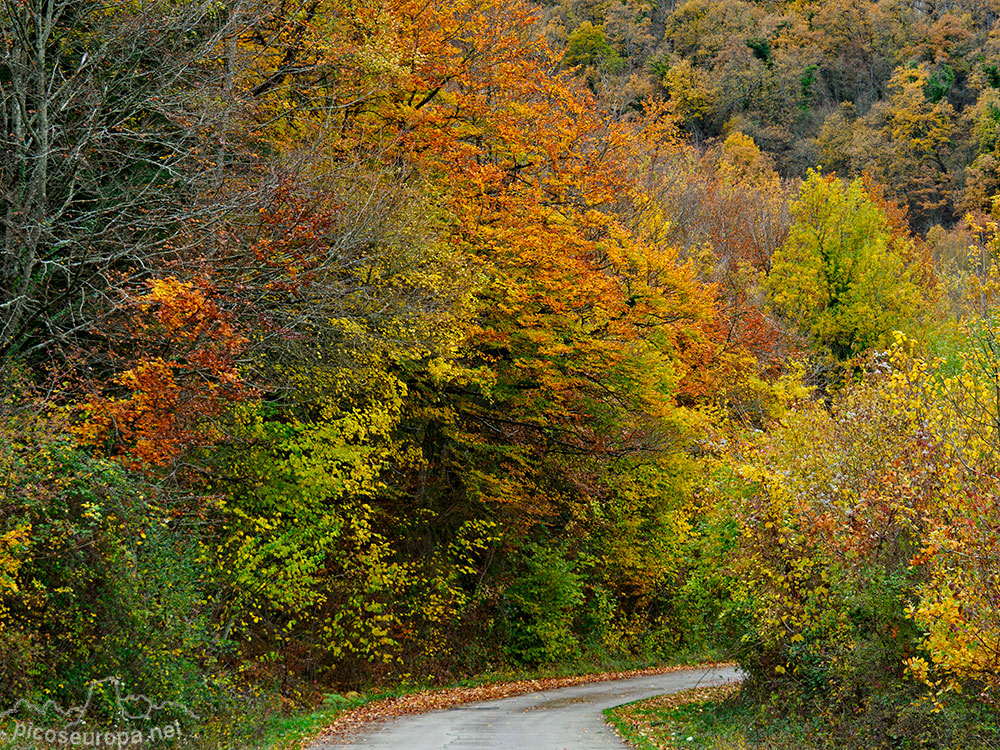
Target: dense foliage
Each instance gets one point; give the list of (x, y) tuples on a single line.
[(347, 342)]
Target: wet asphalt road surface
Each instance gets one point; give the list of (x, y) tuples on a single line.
[(567, 718)]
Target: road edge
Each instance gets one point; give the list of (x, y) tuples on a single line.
[(359, 718)]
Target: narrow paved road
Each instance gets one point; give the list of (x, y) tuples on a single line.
[(565, 719)]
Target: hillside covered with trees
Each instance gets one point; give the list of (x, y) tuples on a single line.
[(347, 344)]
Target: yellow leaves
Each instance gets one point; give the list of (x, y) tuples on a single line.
[(956, 608), (690, 90), (818, 496), (839, 277), (949, 406), (12, 544), (741, 160), (181, 308), (907, 455), (915, 123), (524, 162)]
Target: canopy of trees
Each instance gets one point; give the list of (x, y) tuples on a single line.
[(347, 342)]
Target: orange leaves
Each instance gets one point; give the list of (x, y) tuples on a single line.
[(523, 293), (146, 421), (911, 247), (183, 313), (291, 236), (540, 183), (543, 190), (178, 354)]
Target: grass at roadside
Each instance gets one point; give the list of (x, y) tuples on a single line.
[(688, 719), (736, 718)]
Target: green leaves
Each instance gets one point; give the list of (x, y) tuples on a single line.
[(842, 277)]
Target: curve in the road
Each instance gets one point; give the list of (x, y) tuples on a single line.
[(568, 718)]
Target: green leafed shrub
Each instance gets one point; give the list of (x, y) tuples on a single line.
[(541, 606)]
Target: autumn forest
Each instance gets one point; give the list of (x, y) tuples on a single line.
[(354, 344)]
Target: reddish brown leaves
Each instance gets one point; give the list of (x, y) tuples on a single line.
[(178, 355)]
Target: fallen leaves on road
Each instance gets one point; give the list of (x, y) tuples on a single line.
[(355, 719)]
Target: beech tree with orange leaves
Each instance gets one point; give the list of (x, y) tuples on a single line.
[(564, 334)]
